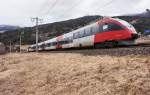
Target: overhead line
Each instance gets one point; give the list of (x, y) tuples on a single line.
[(52, 6), (75, 5), (105, 5), (70, 9), (44, 6)]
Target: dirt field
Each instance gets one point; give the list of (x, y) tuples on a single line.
[(74, 73)]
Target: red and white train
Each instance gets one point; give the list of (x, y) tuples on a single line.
[(105, 32)]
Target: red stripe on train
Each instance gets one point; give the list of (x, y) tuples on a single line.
[(112, 35)]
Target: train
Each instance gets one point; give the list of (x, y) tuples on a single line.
[(106, 32)]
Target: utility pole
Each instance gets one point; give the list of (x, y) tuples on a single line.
[(10, 48), (20, 42), (22, 32), (36, 20)]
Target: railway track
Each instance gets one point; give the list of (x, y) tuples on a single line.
[(138, 49)]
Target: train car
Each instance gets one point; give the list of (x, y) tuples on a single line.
[(107, 32), (31, 48)]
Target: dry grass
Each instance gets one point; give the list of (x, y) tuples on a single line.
[(74, 74)]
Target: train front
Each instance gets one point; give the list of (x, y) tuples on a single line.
[(130, 28)]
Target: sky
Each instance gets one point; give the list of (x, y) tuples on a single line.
[(20, 12)]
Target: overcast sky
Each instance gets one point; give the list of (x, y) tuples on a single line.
[(19, 12)]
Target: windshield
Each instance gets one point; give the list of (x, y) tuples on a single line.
[(128, 25)]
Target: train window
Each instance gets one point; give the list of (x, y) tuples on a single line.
[(42, 46), (82, 33), (67, 40), (34, 47), (92, 30), (70, 39), (113, 27), (100, 28), (97, 29), (54, 43), (105, 27), (79, 35), (88, 32), (61, 42), (49, 44), (75, 35)]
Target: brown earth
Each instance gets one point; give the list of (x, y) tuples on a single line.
[(74, 73), (144, 39)]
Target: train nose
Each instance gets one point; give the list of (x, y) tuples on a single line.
[(134, 36)]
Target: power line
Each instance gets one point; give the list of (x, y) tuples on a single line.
[(52, 6), (105, 5), (66, 12), (44, 6), (70, 9), (55, 5)]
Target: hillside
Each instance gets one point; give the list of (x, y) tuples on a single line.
[(50, 30), (4, 28), (47, 31), (140, 24)]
